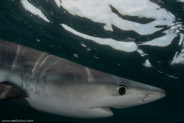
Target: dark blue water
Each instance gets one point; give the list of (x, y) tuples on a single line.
[(25, 27)]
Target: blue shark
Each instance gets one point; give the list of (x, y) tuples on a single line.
[(59, 86)]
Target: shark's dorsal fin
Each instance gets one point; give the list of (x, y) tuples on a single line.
[(10, 91)]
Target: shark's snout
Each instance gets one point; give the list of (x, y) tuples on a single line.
[(153, 95)]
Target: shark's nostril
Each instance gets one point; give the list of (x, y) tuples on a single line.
[(144, 98), (154, 95)]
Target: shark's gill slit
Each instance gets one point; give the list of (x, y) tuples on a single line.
[(44, 82), (37, 82)]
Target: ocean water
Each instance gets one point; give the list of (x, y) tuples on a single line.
[(141, 40)]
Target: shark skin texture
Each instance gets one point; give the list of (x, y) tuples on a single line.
[(58, 86)]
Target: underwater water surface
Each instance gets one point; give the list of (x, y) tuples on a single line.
[(141, 40)]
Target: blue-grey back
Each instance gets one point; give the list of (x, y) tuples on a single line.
[(16, 57)]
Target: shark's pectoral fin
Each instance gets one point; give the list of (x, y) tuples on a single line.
[(10, 91)]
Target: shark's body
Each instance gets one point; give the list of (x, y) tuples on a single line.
[(59, 86)]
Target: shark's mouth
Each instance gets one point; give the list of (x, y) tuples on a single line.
[(102, 111), (107, 109)]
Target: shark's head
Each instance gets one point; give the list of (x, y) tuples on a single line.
[(129, 93), (94, 100), (126, 94)]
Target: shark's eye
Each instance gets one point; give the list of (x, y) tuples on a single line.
[(122, 90)]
